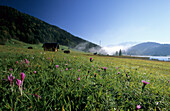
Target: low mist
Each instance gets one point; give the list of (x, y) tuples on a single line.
[(105, 50)]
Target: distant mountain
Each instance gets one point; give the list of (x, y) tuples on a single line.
[(26, 28), (150, 48)]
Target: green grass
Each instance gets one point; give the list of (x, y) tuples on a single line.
[(117, 88)]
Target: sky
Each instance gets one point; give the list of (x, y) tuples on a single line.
[(110, 21)]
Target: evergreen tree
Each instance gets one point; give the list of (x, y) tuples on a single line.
[(116, 53), (120, 52)]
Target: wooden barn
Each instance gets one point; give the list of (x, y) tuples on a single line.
[(51, 47)]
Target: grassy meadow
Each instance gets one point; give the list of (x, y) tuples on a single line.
[(58, 81)]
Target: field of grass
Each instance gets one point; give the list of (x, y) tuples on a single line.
[(58, 81)]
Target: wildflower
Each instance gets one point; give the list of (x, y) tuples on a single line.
[(11, 80), (26, 61), (19, 83), (22, 77), (78, 79), (79, 70), (66, 69), (16, 62), (105, 69), (10, 69), (57, 66), (92, 65), (35, 72), (95, 75), (101, 67), (91, 59), (37, 96), (66, 64), (118, 72), (138, 107), (144, 84)]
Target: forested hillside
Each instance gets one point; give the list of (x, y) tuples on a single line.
[(26, 28)]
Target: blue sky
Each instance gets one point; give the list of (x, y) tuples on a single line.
[(109, 21)]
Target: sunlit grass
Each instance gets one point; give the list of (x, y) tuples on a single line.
[(78, 84)]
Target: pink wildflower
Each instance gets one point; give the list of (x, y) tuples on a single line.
[(16, 62), (78, 79), (11, 80), (95, 75), (138, 107), (91, 59), (18, 82), (26, 61), (10, 69), (145, 82), (105, 69), (22, 76), (66, 69), (35, 72), (79, 70), (57, 66)]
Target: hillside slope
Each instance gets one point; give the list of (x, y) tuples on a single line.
[(26, 28), (150, 48)]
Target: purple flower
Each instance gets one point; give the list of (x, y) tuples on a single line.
[(11, 80), (95, 75), (35, 72), (22, 76), (18, 82), (79, 70), (57, 66), (144, 82), (66, 64), (26, 61), (91, 59), (138, 107), (66, 69), (78, 79), (105, 69), (118, 72), (10, 69), (16, 62)]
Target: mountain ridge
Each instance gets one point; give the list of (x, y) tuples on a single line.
[(29, 29), (150, 48)]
